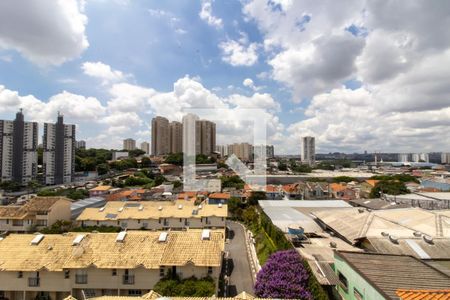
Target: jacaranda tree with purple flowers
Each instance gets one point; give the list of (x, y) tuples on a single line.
[(283, 276)]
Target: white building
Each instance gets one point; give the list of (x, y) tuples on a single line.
[(445, 158), (403, 157), (222, 149), (145, 147), (119, 154), (415, 157), (259, 150), (81, 144), (59, 152), (18, 150), (308, 150), (424, 157)]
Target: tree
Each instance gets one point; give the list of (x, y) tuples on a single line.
[(33, 185), (103, 169), (249, 215), (255, 196), (282, 166), (232, 182), (10, 186), (391, 187), (146, 162), (283, 277), (175, 159), (343, 179), (301, 168), (136, 153)]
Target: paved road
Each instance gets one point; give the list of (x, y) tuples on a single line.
[(241, 278)]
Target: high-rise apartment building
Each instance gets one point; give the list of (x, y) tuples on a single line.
[(424, 157), (415, 157), (259, 150), (207, 137), (308, 150), (222, 150), (80, 144), (18, 150), (176, 137), (244, 151), (145, 147), (129, 144), (445, 158), (404, 157), (160, 136), (59, 152)]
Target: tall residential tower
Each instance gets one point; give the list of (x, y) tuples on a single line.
[(18, 150), (59, 152), (308, 151)]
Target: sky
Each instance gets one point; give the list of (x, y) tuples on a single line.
[(358, 75)]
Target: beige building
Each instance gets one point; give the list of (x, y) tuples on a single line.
[(37, 213), (176, 137), (145, 147), (160, 136), (129, 144), (155, 215), (89, 265), (207, 134), (243, 151)]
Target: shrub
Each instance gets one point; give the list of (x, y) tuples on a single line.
[(283, 276)]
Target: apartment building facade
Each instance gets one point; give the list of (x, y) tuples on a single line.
[(37, 213), (145, 147), (18, 150), (87, 265), (308, 150), (155, 215), (160, 136), (243, 151), (59, 152), (129, 144), (176, 137)]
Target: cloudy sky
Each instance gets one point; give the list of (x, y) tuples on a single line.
[(358, 75)]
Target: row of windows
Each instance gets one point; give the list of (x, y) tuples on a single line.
[(343, 284)]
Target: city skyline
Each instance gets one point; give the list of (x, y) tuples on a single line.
[(316, 74)]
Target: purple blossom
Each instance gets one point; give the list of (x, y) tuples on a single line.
[(283, 276)]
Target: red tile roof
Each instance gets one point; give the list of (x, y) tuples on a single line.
[(423, 294)]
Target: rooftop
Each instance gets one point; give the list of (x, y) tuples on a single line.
[(101, 188), (34, 205), (152, 210), (377, 204), (356, 223), (423, 294), (389, 273), (56, 252)]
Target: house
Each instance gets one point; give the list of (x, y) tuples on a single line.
[(316, 190), (344, 191), (373, 276), (37, 213), (85, 265), (274, 192), (216, 198), (100, 191), (155, 215)]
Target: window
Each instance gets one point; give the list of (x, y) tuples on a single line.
[(358, 294), (134, 292), (19, 274), (161, 272), (343, 283), (114, 272), (66, 274), (210, 270)]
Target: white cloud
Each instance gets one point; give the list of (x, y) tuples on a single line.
[(207, 15), (248, 82), (46, 32), (102, 71), (237, 54)]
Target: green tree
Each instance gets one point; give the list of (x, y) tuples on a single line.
[(136, 153), (255, 196), (146, 162), (391, 187), (103, 169), (343, 179), (175, 159), (232, 181), (10, 186), (282, 166)]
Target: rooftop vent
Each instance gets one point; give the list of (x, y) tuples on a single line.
[(141, 207), (384, 233), (37, 239), (417, 234), (163, 236), (427, 238), (333, 244), (220, 205), (160, 208), (180, 206), (120, 209), (200, 206), (102, 208), (121, 236), (206, 234), (76, 241), (393, 239), (361, 210)]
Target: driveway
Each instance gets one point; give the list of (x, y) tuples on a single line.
[(239, 271)]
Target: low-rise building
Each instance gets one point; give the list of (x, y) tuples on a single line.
[(373, 276), (155, 215), (37, 213), (218, 198), (87, 265), (100, 191)]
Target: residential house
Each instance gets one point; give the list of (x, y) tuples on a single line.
[(100, 191), (155, 215), (87, 265), (216, 198), (37, 213)]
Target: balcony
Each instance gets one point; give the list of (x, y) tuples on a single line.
[(128, 279), (33, 281), (81, 278)]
